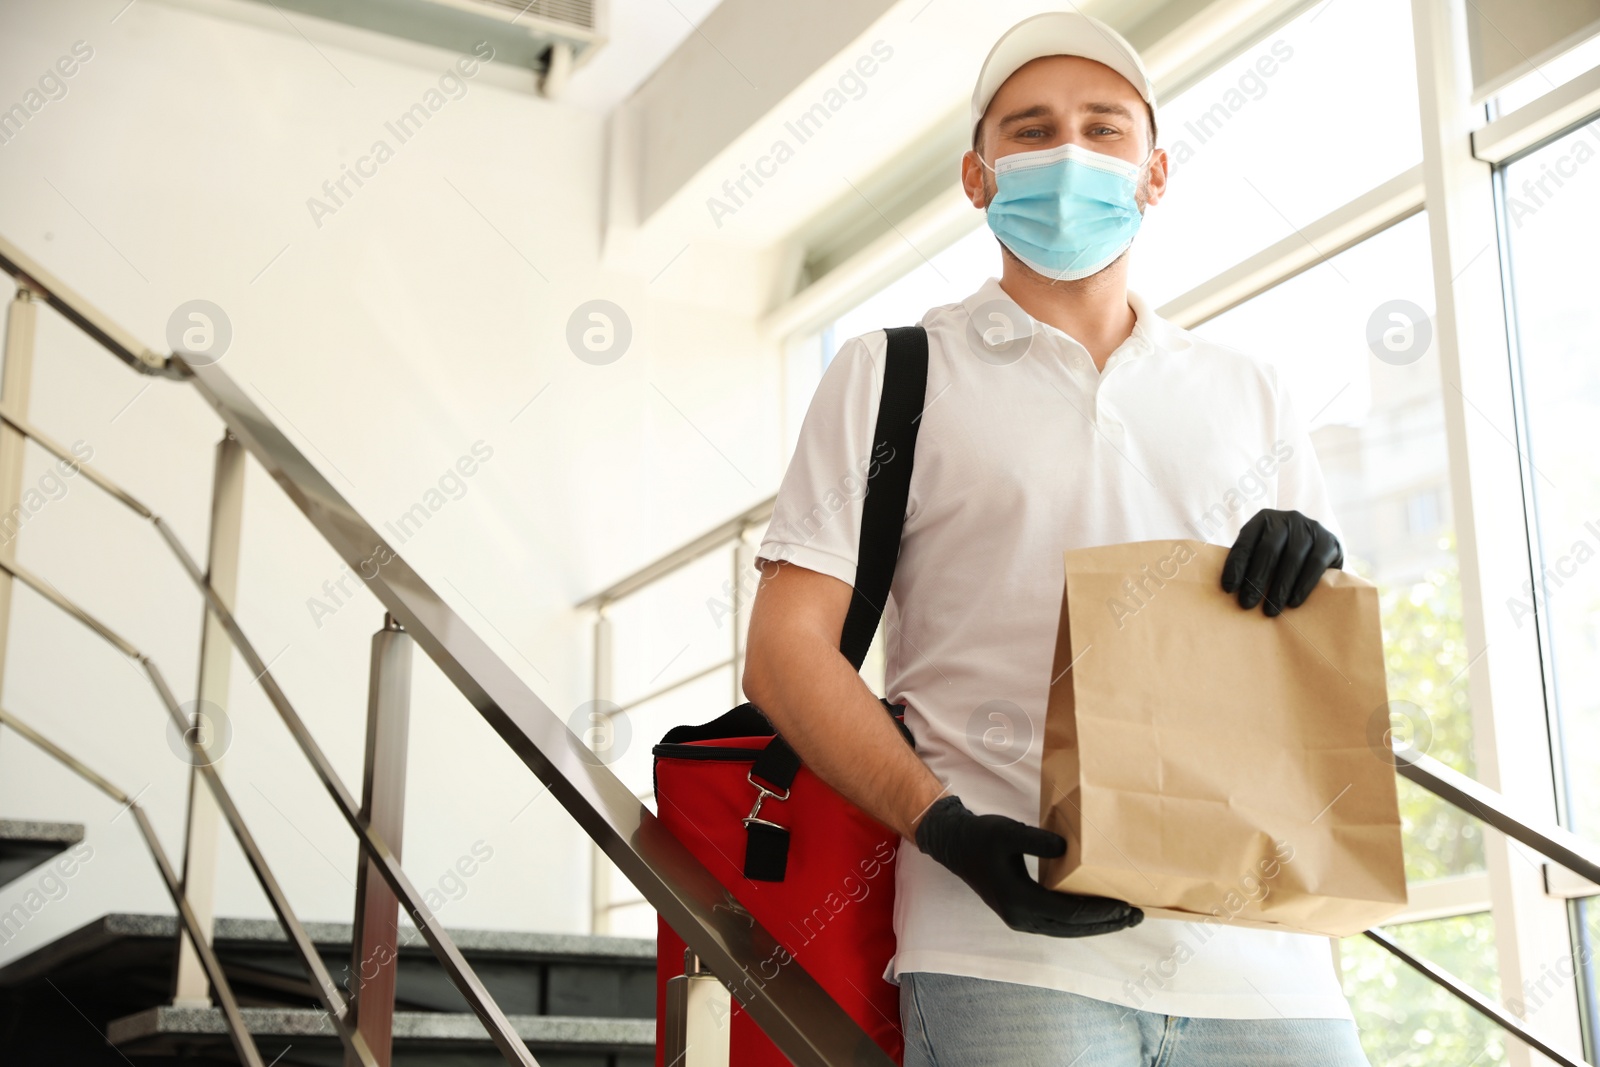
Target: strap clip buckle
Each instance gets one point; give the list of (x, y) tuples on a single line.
[(762, 793)]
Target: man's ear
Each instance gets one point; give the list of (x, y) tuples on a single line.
[(1157, 179), (973, 184)]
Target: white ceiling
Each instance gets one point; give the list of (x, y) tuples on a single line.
[(640, 34)]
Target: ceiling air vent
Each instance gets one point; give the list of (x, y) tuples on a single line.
[(572, 12), (549, 37)]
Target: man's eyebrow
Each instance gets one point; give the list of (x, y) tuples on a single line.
[(1107, 109), (1037, 111)]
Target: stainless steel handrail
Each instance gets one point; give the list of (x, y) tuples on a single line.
[(84, 315), (798, 1015), (1475, 1000), (671, 687), (327, 991), (1554, 842), (707, 543), (1473, 797), (808, 1025), (238, 1033)]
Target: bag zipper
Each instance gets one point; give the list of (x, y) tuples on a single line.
[(681, 750)]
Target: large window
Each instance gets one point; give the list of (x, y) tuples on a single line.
[(1376, 416), (944, 279), (1304, 120), (1551, 211), (1352, 338)]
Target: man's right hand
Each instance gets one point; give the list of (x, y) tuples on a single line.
[(986, 851)]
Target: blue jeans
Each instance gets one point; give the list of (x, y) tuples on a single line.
[(955, 1021)]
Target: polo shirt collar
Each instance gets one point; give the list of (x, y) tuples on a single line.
[(1154, 329), (1150, 329)]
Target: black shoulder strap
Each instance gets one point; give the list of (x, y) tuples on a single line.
[(894, 443)]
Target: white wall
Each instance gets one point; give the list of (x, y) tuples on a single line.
[(177, 166)]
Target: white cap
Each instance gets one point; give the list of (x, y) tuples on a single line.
[(1057, 33)]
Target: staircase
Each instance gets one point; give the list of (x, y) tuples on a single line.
[(99, 995)]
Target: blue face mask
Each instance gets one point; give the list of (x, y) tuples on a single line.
[(1067, 212)]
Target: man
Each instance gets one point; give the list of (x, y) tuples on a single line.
[(1061, 413)]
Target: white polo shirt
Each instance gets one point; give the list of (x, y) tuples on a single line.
[(1025, 451)]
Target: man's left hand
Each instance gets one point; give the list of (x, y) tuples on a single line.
[(1278, 559)]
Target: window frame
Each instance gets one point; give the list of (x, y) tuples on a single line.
[(1543, 122)]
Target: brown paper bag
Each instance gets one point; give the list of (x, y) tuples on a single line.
[(1213, 764)]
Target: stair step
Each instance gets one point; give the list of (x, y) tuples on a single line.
[(118, 968), (312, 1039), (527, 973), (468, 940), (26, 843)]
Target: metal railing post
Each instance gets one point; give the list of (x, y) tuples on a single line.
[(16, 380), (696, 1033), (599, 866), (191, 988), (375, 940)]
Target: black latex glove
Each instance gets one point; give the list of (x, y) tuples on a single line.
[(986, 852), (1278, 559)]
